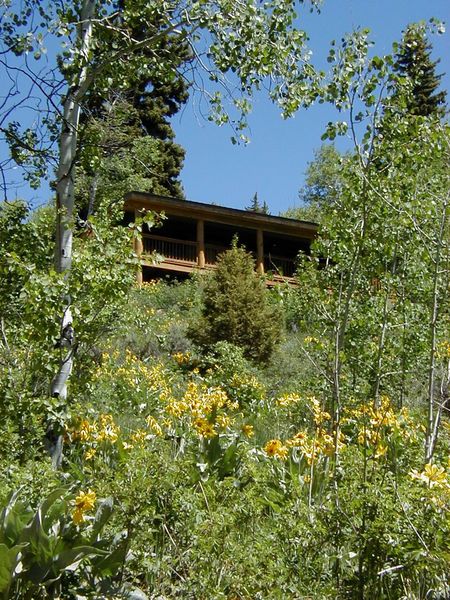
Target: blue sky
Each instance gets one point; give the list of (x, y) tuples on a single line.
[(274, 163)]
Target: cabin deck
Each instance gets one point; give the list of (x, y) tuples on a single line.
[(192, 236)]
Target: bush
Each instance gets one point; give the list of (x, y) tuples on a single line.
[(236, 308)]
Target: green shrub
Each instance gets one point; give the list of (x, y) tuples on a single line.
[(236, 308)]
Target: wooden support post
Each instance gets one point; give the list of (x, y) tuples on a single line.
[(260, 251), (138, 249), (201, 244)]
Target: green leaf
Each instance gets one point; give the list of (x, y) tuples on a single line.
[(110, 564), (50, 509), (6, 567), (9, 558), (13, 519), (68, 559), (229, 461), (102, 515)]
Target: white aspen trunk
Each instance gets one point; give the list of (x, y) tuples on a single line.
[(64, 234), (434, 419), (64, 208), (381, 343)]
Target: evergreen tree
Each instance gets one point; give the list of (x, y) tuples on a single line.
[(256, 206), (122, 160), (160, 98), (236, 308), (412, 97), (152, 101), (413, 61)]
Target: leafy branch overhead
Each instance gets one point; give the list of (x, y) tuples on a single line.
[(239, 46)]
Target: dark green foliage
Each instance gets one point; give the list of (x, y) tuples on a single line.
[(160, 97), (116, 158), (131, 128), (256, 206), (413, 61), (236, 308)]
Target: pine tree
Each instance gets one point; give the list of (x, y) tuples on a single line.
[(124, 160), (153, 99), (160, 98), (256, 206), (413, 61), (236, 308)]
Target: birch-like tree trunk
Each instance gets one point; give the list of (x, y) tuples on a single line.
[(64, 209), (434, 415)]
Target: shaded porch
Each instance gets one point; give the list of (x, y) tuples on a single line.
[(193, 235)]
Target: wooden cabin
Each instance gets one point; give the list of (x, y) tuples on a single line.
[(194, 234)]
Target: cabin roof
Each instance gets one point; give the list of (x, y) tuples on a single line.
[(221, 214)]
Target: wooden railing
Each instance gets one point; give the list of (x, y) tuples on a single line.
[(279, 265), (183, 251), (172, 249), (179, 250)]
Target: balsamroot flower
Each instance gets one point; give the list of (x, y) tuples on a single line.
[(432, 475), (84, 502), (248, 430), (276, 449)]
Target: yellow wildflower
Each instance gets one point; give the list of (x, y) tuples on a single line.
[(319, 415), (90, 453), (109, 430), (182, 358), (326, 443), (381, 450), (176, 408), (432, 475), (248, 430), (84, 502), (204, 428), (287, 400), (154, 425), (85, 431), (277, 449), (139, 437), (223, 421), (299, 439)]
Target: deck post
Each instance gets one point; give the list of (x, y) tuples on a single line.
[(201, 244), (138, 249), (260, 251)]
